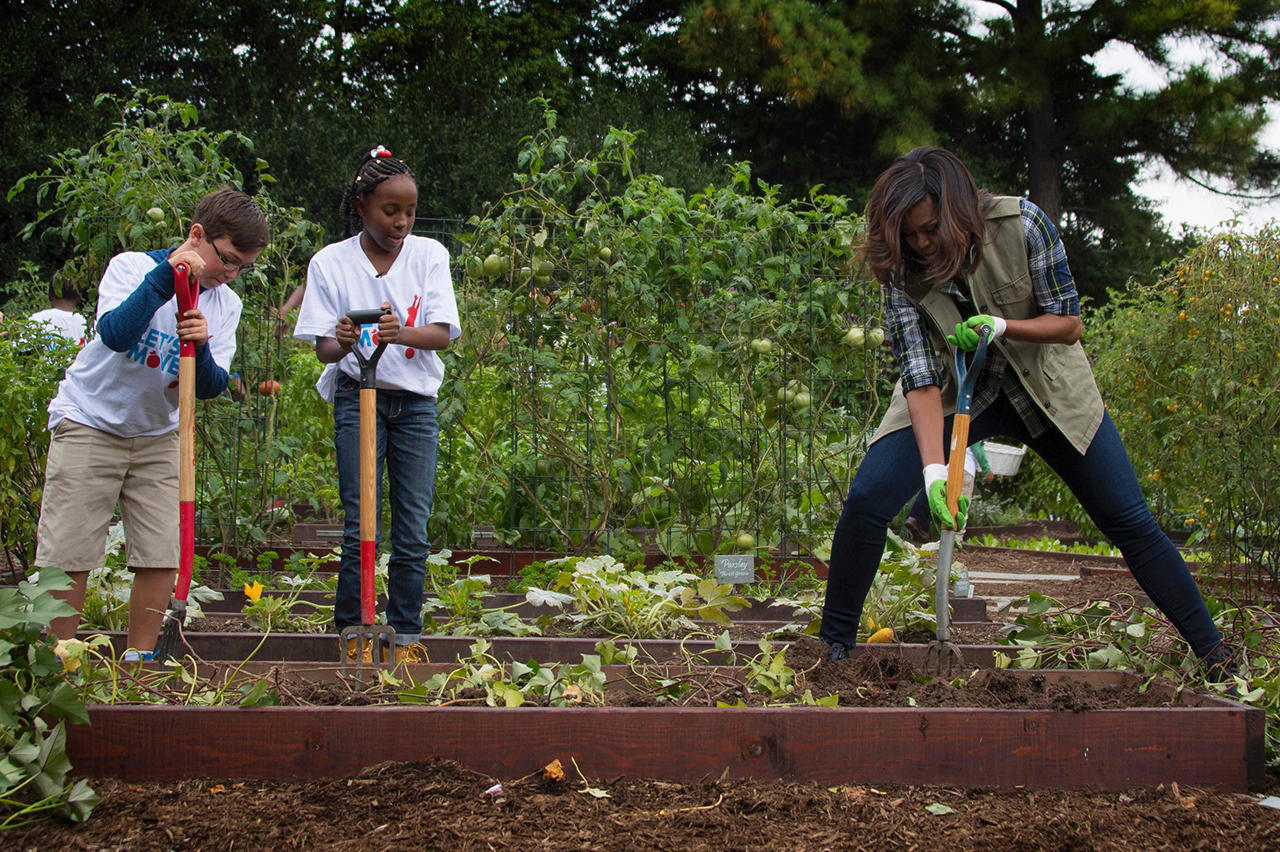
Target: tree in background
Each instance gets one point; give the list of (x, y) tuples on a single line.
[(447, 84), (828, 92), (810, 92)]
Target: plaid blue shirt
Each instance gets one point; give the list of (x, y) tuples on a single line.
[(1055, 293)]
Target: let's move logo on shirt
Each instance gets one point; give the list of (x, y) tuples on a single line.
[(159, 351), (369, 333)]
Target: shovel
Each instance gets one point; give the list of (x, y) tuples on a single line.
[(377, 638), (188, 293), (942, 657)]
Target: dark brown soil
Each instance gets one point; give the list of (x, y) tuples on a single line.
[(439, 805)]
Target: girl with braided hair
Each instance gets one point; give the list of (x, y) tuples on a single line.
[(382, 264)]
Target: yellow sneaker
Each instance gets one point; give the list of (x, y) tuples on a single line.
[(413, 653)]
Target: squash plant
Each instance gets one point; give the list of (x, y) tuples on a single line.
[(36, 701)]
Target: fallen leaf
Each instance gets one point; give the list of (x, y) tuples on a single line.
[(216, 789), (939, 809), (553, 771)]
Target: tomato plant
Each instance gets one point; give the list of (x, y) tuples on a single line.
[(1190, 366)]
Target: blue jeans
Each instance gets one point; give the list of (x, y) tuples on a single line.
[(1102, 480), (407, 439)]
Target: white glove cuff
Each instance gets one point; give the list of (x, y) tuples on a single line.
[(999, 326), (934, 473)]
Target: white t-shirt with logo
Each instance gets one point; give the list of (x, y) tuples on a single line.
[(67, 323), (135, 393), (341, 278)]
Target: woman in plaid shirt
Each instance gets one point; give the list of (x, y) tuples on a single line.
[(953, 259)]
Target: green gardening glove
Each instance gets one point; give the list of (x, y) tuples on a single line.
[(966, 336), (938, 507)]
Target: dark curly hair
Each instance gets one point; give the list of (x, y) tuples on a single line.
[(375, 167)]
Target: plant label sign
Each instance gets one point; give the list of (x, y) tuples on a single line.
[(736, 568)]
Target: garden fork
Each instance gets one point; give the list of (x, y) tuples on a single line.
[(942, 657), (377, 639)]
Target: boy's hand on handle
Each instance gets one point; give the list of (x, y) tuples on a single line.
[(193, 260), (935, 479), (193, 328), (966, 336)]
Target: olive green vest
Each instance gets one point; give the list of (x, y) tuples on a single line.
[(1057, 377)]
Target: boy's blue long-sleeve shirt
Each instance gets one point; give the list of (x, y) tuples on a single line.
[(121, 328)]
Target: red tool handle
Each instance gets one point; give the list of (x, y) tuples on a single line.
[(187, 294)]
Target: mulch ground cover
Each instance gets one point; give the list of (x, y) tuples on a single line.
[(439, 805)]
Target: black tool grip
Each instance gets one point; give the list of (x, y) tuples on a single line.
[(368, 364), (366, 317)]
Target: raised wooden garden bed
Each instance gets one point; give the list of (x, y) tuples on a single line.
[(1206, 742)]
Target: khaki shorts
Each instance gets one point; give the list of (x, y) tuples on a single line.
[(88, 473)]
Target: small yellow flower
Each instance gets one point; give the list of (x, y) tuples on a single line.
[(253, 592)]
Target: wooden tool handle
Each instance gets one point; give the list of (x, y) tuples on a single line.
[(186, 446), (955, 462), (368, 499)]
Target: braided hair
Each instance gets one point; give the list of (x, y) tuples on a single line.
[(375, 167)]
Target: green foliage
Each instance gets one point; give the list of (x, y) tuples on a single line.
[(462, 602), (901, 596), (608, 379), (32, 361), (1120, 634), (562, 685), (1190, 367), (602, 594), (1047, 544), (36, 701), (827, 93), (769, 674), (97, 198)]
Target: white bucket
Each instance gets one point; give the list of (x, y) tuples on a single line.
[(1004, 459)]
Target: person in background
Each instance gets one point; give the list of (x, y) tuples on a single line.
[(115, 417), (383, 264), (955, 262), (61, 315)]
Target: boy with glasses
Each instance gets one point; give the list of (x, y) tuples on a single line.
[(115, 417)]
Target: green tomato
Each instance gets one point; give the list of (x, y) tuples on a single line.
[(494, 266), (604, 253), (746, 541), (875, 337), (854, 337), (155, 214), (761, 345), (801, 401)]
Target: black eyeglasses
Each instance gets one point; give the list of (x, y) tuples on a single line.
[(237, 268)]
